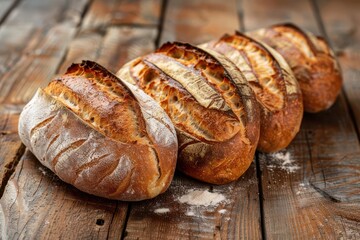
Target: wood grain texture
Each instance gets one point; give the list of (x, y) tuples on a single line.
[(112, 47), (6, 7), (104, 13), (334, 152), (101, 39), (341, 21), (32, 47), (46, 13), (261, 14), (237, 217), (38, 205), (313, 194), (11, 147), (199, 21)]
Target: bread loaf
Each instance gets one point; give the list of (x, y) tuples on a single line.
[(311, 60), (212, 106), (274, 84), (100, 134)]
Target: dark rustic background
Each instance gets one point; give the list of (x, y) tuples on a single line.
[(321, 200)]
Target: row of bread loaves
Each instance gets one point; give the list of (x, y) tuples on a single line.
[(205, 109)]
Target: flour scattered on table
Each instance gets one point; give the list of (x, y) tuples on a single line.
[(302, 188), (162, 210), (202, 198), (222, 211), (284, 161), (190, 213)]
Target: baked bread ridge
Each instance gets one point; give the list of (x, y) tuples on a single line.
[(200, 96), (83, 153), (274, 84), (311, 59)]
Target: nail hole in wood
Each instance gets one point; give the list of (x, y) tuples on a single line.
[(100, 222)]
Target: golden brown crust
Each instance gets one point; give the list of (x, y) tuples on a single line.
[(274, 85), (212, 107), (101, 101), (99, 156), (311, 60)]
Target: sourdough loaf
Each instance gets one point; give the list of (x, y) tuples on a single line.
[(100, 134), (274, 84), (212, 106), (312, 61)]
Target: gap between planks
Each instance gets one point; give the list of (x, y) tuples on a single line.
[(8, 11), (83, 14), (164, 5), (240, 13), (285, 198), (261, 196), (323, 31), (160, 27)]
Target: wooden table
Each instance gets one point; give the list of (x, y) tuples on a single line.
[(318, 199)]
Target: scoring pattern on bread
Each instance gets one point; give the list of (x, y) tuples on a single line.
[(312, 61), (275, 87), (103, 136), (210, 103)]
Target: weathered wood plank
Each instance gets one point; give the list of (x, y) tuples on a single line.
[(341, 21), (112, 47), (11, 147), (38, 205), (166, 217), (310, 193), (33, 40), (34, 69), (237, 217), (199, 21), (6, 6), (112, 12), (310, 190), (47, 13), (261, 14), (101, 38), (334, 153)]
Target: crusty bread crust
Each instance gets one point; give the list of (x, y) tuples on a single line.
[(78, 128), (274, 84), (210, 103), (312, 61)]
